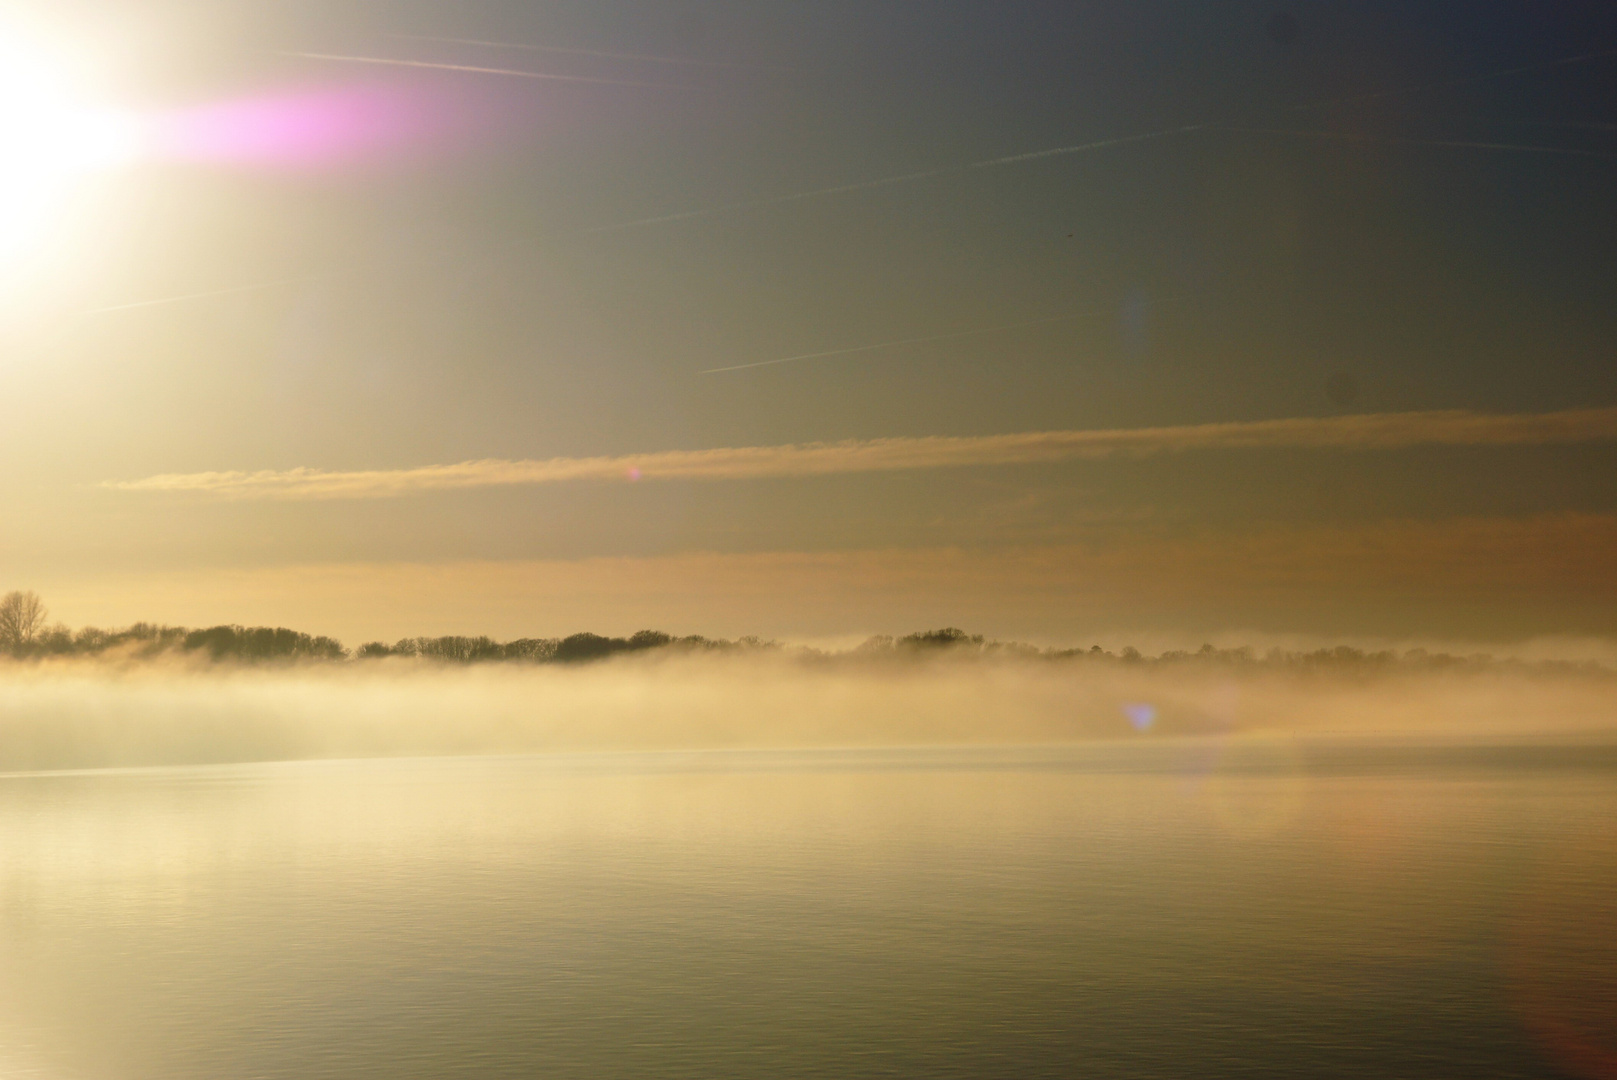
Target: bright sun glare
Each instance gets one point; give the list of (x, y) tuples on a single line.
[(50, 140)]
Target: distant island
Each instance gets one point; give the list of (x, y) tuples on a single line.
[(24, 636)]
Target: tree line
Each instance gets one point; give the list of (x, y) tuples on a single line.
[(24, 634)]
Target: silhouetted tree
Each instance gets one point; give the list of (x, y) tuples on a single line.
[(948, 637), (21, 616), (535, 649), (462, 649), (262, 643), (587, 646), (54, 640), (651, 639)]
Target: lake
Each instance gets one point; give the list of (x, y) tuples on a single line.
[(1159, 909)]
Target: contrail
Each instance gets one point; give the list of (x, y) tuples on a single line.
[(1120, 141), (1459, 144), (557, 49), (1565, 61), (1062, 150), (776, 200), (903, 178), (509, 72), (192, 296), (1579, 125), (904, 341)]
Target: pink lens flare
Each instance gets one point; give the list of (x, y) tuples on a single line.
[(324, 128)]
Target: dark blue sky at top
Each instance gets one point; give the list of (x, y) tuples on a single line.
[(1240, 272), (463, 298)]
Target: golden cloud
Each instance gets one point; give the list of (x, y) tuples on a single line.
[(1381, 431)]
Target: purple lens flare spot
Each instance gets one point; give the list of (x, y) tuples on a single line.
[(1141, 714)]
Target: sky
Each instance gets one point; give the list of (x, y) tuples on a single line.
[(1055, 321)]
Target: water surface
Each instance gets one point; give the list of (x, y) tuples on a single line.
[(1187, 909)]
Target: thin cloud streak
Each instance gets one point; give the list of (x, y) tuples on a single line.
[(508, 72), (519, 47), (1059, 151), (1457, 144), (1466, 80), (1578, 125), (191, 296), (903, 178), (1383, 431), (904, 341)]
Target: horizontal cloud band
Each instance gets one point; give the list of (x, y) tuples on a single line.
[(1383, 431)]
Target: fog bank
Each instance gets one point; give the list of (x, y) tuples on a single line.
[(95, 715)]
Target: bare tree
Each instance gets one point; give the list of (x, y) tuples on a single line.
[(21, 616)]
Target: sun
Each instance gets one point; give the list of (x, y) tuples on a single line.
[(51, 140)]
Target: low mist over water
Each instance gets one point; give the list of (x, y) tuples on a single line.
[(98, 713)]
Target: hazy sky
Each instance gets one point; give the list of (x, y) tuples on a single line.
[(1297, 211)]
